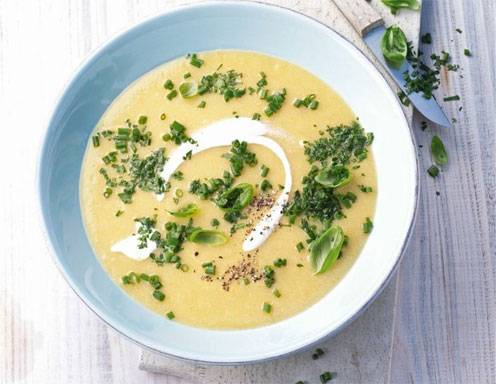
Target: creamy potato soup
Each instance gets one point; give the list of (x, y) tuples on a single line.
[(228, 189)]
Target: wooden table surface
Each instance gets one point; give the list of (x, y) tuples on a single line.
[(444, 308)]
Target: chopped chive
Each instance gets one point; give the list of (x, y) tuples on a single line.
[(169, 85), (265, 185), (319, 352), (163, 116), (280, 262), (188, 155), (325, 377), (107, 193), (313, 104), (267, 308), (368, 226), (195, 61), (452, 98), (426, 39), (172, 94), (119, 213), (96, 141), (215, 223), (264, 170), (276, 293), (433, 171), (170, 315), (300, 246), (202, 104), (166, 137), (142, 120), (159, 295), (297, 102), (458, 30), (467, 52), (187, 75), (256, 116)]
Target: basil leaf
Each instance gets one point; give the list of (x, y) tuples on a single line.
[(394, 46), (207, 236), (333, 176), (438, 151), (394, 5), (236, 198), (325, 250), (186, 211), (188, 89)]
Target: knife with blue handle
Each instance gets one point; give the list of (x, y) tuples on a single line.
[(369, 24)]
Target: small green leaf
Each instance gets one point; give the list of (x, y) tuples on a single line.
[(236, 198), (394, 46), (186, 211), (333, 176), (325, 250), (394, 5), (208, 236), (438, 151), (188, 89)]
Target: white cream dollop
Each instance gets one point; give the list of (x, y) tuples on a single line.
[(129, 247), (219, 134)]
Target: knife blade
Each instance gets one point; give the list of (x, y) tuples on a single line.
[(369, 24)]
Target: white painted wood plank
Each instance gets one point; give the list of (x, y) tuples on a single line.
[(445, 326)]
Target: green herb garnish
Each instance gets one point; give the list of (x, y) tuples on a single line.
[(170, 315), (275, 101), (394, 46), (326, 376), (227, 84), (280, 262), (202, 104), (268, 276), (276, 293), (177, 134), (239, 155), (438, 151), (209, 268), (169, 85), (195, 61), (395, 5), (368, 226), (265, 185), (267, 308), (333, 176), (188, 89), (186, 211), (208, 237), (264, 170), (433, 171), (324, 250), (452, 98), (236, 198), (308, 102), (172, 94)]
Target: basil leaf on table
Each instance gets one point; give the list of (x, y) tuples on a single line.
[(325, 250), (438, 151), (333, 176), (394, 46), (394, 5), (186, 211), (208, 237)]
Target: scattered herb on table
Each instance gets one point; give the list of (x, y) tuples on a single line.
[(395, 5), (438, 151), (433, 171)]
